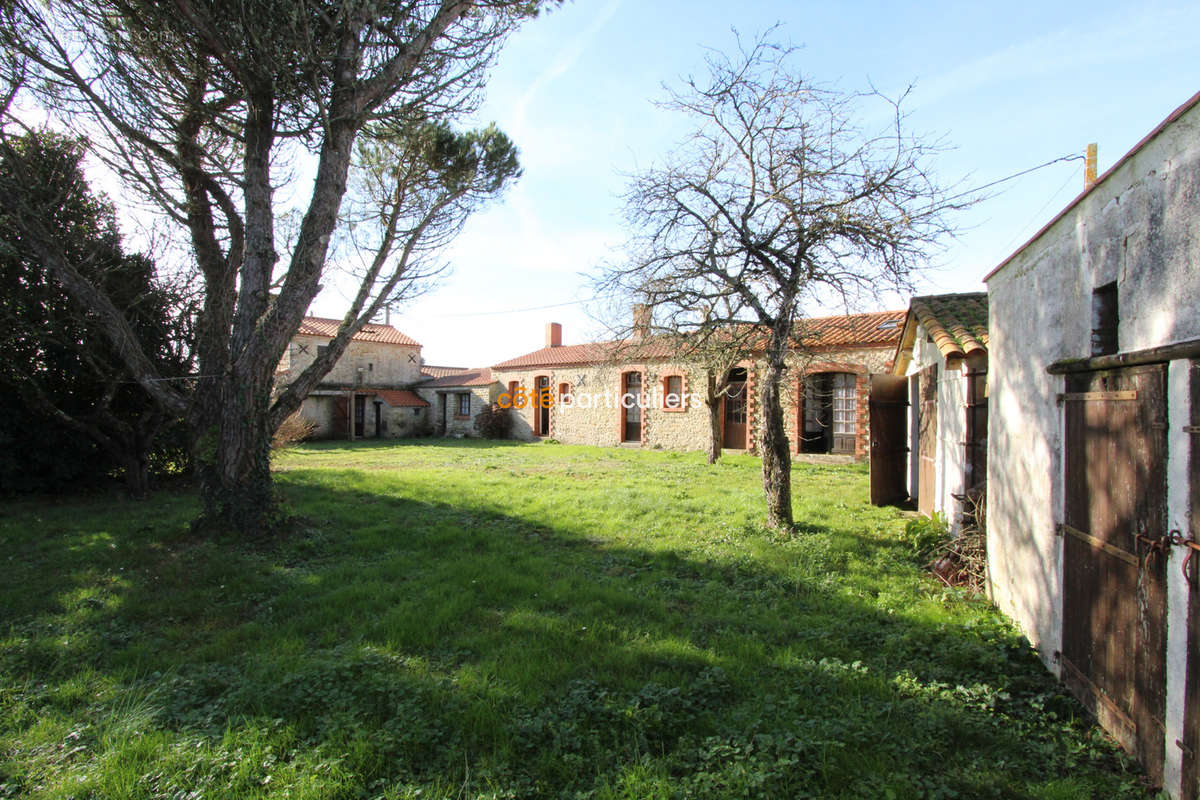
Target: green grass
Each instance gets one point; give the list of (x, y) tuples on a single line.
[(471, 620)]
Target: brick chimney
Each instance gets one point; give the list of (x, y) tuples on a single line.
[(553, 334), (641, 321)]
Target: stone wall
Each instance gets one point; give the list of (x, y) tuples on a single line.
[(456, 424), (595, 418), (594, 415), (391, 365)]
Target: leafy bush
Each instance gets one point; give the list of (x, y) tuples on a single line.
[(926, 536), (493, 422), (295, 429)]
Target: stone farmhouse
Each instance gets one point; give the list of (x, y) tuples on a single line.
[(368, 392), (382, 388), (827, 390)]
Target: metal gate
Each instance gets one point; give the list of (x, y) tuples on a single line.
[(1114, 576)]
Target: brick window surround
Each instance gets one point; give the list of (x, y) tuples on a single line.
[(680, 391)]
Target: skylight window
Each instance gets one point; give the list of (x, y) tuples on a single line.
[(888, 325)]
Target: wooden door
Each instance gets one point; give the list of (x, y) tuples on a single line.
[(888, 405), (631, 428), (733, 434), (927, 384), (1114, 589), (341, 417)]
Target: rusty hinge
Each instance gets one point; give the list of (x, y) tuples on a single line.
[(1112, 550), (1179, 743), (1124, 394), (1177, 538), (1191, 428)]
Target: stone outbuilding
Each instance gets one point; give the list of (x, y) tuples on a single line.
[(826, 390), (368, 393), (456, 397), (943, 359), (1094, 466)]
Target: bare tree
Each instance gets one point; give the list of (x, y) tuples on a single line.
[(780, 199), (200, 108)]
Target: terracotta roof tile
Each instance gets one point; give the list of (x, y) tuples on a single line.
[(590, 353), (430, 371), (471, 377), (371, 332), (878, 329), (401, 398), (958, 323)]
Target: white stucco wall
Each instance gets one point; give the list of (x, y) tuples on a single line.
[(1139, 228), (950, 455)]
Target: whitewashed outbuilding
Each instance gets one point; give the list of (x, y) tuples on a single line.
[(1093, 488), (943, 357)]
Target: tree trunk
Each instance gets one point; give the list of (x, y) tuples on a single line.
[(233, 454), (137, 475), (776, 458), (713, 401)]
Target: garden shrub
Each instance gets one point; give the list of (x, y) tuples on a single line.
[(493, 422)]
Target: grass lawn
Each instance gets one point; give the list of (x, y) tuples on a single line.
[(474, 620)]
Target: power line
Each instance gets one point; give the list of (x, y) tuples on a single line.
[(1072, 157)]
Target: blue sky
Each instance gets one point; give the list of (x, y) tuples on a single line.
[(1009, 85)]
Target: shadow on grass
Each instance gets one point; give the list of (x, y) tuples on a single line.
[(452, 648)]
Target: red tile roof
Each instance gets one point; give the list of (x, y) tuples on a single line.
[(878, 329), (471, 377), (958, 324), (401, 398), (590, 353), (441, 372), (371, 332)]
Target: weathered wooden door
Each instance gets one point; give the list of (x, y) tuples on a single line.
[(927, 384), (734, 425), (1114, 588), (341, 417), (889, 438)]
